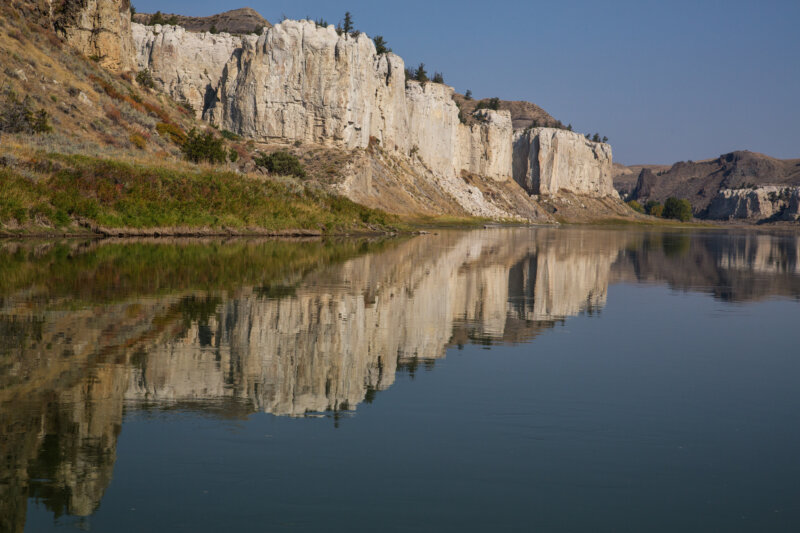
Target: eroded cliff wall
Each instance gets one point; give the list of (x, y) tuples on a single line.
[(186, 65), (301, 82), (97, 28), (547, 160), (766, 202)]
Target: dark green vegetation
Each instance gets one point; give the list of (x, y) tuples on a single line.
[(145, 79), (16, 116), (380, 45), (654, 208), (281, 163), (673, 208), (204, 147), (678, 209), (491, 103), (59, 192), (158, 18), (596, 138), (636, 206)]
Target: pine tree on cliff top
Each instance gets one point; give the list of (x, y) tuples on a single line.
[(347, 26), (421, 75)]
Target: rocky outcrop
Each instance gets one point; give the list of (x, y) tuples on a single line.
[(766, 202), (186, 65), (98, 28), (449, 147), (307, 83), (547, 160)]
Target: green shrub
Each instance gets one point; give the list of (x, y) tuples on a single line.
[(636, 206), (678, 209), (204, 147), (652, 206), (282, 163), (138, 141), (145, 79), (171, 132), (157, 18), (17, 116), (657, 211), (491, 103)]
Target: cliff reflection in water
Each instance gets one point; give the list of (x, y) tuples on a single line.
[(293, 328)]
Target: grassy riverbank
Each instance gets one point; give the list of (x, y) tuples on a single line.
[(55, 193)]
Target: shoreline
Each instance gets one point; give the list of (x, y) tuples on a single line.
[(410, 229)]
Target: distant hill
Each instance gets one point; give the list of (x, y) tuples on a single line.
[(523, 114), (698, 182), (625, 177), (244, 20)]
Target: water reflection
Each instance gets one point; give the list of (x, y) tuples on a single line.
[(90, 330)]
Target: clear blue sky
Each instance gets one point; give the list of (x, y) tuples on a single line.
[(664, 80)]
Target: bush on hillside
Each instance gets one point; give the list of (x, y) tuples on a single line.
[(204, 147), (636, 206), (678, 209), (145, 79), (491, 103), (281, 163), (171, 132), (17, 116)]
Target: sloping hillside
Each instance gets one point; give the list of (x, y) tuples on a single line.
[(523, 114), (699, 182), (237, 21), (626, 177)]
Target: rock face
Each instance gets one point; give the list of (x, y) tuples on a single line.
[(186, 65), (767, 202), (98, 28), (547, 160), (300, 82)]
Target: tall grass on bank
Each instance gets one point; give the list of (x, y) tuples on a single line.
[(59, 190)]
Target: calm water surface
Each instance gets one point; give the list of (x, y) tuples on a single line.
[(494, 380)]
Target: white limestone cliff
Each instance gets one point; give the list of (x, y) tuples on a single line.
[(547, 160), (301, 82), (763, 202), (186, 65)]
